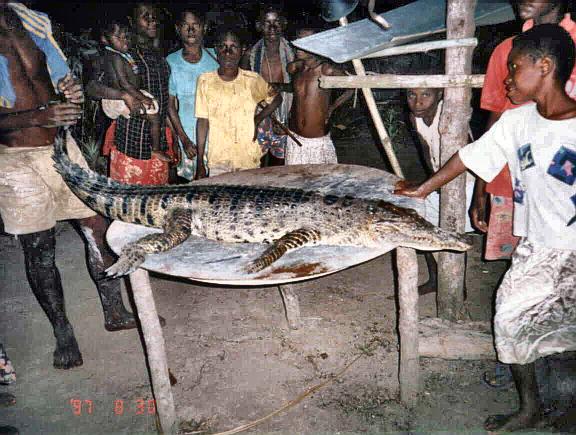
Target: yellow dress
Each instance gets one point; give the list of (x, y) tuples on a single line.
[(230, 108)]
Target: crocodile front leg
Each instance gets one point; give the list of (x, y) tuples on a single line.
[(177, 228), (288, 242)]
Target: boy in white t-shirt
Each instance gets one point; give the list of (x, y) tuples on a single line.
[(536, 302)]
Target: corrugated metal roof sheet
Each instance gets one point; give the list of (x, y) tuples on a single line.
[(408, 23)]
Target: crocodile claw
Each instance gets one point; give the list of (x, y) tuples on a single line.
[(131, 257)]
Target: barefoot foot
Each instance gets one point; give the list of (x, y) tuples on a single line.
[(125, 321), (512, 422), (67, 353)]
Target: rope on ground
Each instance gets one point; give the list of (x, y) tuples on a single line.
[(287, 405)]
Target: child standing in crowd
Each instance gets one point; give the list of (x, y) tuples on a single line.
[(121, 72), (226, 102), (128, 141), (535, 314), (311, 108), (425, 106), (499, 241), (270, 57), (186, 65)]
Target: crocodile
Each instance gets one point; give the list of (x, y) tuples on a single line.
[(284, 218)]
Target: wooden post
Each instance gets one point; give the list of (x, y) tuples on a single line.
[(376, 118), (155, 349), (454, 124), (409, 374), (291, 305)]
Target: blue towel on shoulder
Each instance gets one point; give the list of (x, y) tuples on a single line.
[(40, 29)]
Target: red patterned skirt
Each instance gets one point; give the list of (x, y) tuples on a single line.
[(129, 170)]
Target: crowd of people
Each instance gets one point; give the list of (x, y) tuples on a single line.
[(208, 111)]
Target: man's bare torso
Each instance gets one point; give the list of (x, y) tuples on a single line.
[(271, 69), (30, 80), (310, 105)]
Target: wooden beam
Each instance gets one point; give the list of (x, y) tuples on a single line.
[(454, 127), (395, 81), (376, 117), (424, 47)]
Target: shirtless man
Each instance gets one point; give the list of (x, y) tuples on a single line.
[(311, 109), (270, 57), (32, 195)]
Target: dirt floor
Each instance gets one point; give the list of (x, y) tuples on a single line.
[(234, 358)]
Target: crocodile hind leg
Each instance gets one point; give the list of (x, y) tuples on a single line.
[(288, 242), (177, 228)]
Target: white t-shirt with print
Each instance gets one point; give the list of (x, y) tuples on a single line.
[(541, 154)]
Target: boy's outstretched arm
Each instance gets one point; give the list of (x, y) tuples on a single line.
[(332, 70), (445, 174)]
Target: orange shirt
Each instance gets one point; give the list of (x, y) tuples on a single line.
[(494, 93)]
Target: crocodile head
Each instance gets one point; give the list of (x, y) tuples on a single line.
[(404, 227)]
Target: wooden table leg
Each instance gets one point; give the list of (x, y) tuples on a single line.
[(291, 305), (155, 349), (409, 373)]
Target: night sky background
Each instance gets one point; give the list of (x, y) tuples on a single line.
[(74, 16)]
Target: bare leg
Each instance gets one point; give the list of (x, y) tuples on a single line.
[(99, 257), (529, 413), (431, 285), (44, 278)]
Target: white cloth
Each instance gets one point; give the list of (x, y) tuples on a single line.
[(315, 150), (536, 305), (115, 108), (431, 135), (432, 211), (541, 155)]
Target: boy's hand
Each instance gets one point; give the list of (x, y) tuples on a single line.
[(71, 89), (160, 155), (200, 172), (408, 188), (257, 120), (190, 148), (58, 115), (147, 102), (135, 106), (478, 213)]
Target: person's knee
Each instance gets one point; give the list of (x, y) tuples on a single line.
[(39, 248)]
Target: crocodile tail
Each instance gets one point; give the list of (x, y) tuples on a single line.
[(97, 191)]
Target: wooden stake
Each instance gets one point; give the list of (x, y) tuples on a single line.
[(376, 118), (454, 123), (395, 81), (155, 349), (409, 374)]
